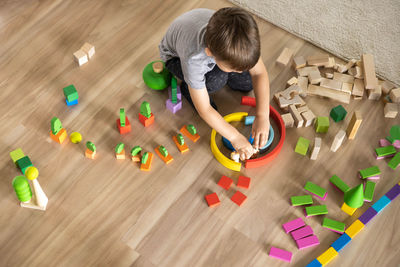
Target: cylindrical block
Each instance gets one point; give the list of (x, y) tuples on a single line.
[(22, 188)]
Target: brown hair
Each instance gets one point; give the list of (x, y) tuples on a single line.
[(232, 36)]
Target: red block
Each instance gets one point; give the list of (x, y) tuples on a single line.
[(124, 129), (238, 198), (212, 200), (225, 182), (243, 182), (146, 121)]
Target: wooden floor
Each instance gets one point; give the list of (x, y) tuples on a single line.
[(107, 212)]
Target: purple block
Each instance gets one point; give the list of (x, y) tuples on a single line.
[(178, 93), (173, 107), (302, 232), (307, 242), (384, 142), (396, 144), (367, 215), (394, 192), (293, 225)]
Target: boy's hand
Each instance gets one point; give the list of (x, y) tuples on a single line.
[(260, 131), (243, 147)]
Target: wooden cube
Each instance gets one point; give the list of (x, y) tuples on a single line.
[(391, 110), (80, 57), (395, 95), (88, 49), (288, 120), (299, 62), (285, 56)]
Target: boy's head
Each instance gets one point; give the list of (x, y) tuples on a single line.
[(232, 38)]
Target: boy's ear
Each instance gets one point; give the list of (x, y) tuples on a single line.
[(208, 52)]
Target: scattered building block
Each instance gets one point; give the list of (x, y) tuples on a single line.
[(24, 163), (88, 49), (302, 232), (331, 63), (369, 71), (347, 88), (303, 109), (327, 73), (291, 92), (292, 81), (341, 242), (302, 146), (307, 242), (70, 93), (333, 225), (370, 172), (284, 103), (327, 256), (314, 77), (212, 200), (322, 124), (391, 110), (386, 86), (349, 210), (344, 78), (354, 228), (331, 84), (337, 142), (338, 113), (358, 88), (293, 225), (354, 125), (318, 60), (314, 263), (225, 182), (146, 121), (90, 154), (298, 119), (287, 120), (339, 184), (316, 210), (381, 203), (302, 82), (306, 71), (173, 107), (395, 95), (285, 56), (182, 148), (167, 158), (316, 148), (124, 129), (301, 200), (249, 120), (299, 62), (385, 152), (368, 215), (356, 72), (280, 254), (369, 191), (243, 182), (375, 93), (340, 96), (354, 197), (239, 198), (308, 117), (16, 155), (146, 166), (316, 190), (60, 136), (80, 57), (394, 192)]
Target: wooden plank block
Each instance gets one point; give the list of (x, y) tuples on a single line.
[(391, 110), (375, 94), (356, 72), (331, 63), (288, 120), (386, 86), (395, 95), (332, 84), (280, 254), (291, 91), (316, 148), (330, 93), (284, 103), (309, 118), (292, 81), (303, 109), (327, 73), (302, 82), (314, 77), (318, 60), (306, 70), (285, 56), (344, 78), (358, 88), (337, 142), (354, 124), (298, 119), (370, 79), (347, 87), (299, 62)]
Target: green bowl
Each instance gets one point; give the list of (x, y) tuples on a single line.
[(156, 81)]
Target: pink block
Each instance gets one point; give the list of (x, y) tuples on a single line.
[(173, 107), (335, 231), (384, 142), (307, 242), (373, 178), (280, 254), (293, 225), (302, 232), (322, 198), (396, 144)]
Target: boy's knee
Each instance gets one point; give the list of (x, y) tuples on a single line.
[(240, 82)]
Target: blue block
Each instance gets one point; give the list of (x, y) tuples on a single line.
[(314, 263), (341, 242), (381, 203), (248, 120), (72, 102)]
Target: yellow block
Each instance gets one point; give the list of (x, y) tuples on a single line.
[(347, 209), (327, 256), (354, 228)]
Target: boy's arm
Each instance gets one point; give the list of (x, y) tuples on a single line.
[(201, 102), (260, 80)]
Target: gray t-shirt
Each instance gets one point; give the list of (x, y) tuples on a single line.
[(185, 39)]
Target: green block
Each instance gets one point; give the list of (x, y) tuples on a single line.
[(354, 198), (145, 157), (395, 132), (16, 155), (369, 191), (336, 181), (385, 151), (70, 93), (322, 125), (338, 113), (24, 163), (174, 90), (369, 172), (395, 161), (136, 150), (156, 81), (315, 189), (145, 109), (390, 139), (91, 146), (302, 146), (119, 147), (55, 125), (333, 225), (174, 83), (301, 200), (316, 210), (122, 117), (163, 151), (191, 129), (180, 139), (22, 188)]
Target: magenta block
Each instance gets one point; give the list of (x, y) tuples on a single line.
[(173, 107), (293, 225), (302, 232), (322, 198), (396, 144), (178, 94), (373, 178), (307, 242), (280, 254)]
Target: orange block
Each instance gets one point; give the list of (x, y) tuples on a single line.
[(124, 129), (194, 138), (168, 159), (136, 158), (147, 166), (90, 154), (146, 121), (60, 137), (120, 155), (184, 148)]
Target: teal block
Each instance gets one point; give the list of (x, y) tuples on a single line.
[(338, 113), (322, 125), (381, 203), (302, 146)]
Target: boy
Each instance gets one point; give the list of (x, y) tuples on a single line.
[(207, 50)]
